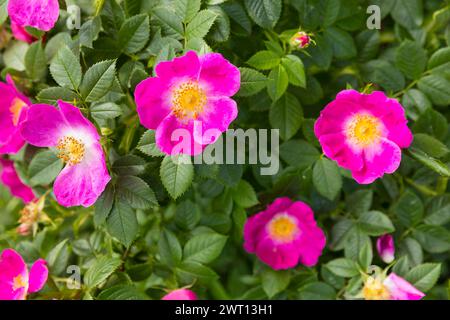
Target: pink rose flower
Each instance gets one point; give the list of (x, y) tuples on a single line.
[(190, 94), (392, 287), (285, 234), (39, 14), (13, 111), (385, 248), (300, 40), (180, 294), (15, 280), (77, 143), (20, 33), (364, 133), (10, 178)]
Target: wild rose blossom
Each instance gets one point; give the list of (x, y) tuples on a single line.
[(391, 287), (20, 33), (180, 294), (39, 14), (15, 279), (386, 248), (190, 93), (13, 111), (364, 133), (77, 143), (284, 234), (10, 178)]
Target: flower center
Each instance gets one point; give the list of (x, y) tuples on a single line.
[(16, 107), (71, 150), (363, 130), (188, 100), (283, 228), (374, 289), (19, 282)]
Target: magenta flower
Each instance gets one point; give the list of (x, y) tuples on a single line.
[(13, 111), (39, 14), (180, 294), (20, 33), (385, 248), (15, 280), (10, 178), (285, 234), (300, 40), (364, 133), (77, 143), (391, 287), (189, 96)]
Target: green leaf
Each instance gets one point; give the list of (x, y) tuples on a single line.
[(187, 215), (265, 13), (252, 82), (200, 25), (176, 175), (343, 267), (53, 94), (438, 210), (432, 123), (122, 223), (437, 88), (122, 292), (190, 271), (66, 69), (424, 276), (331, 12), (170, 250), (384, 74), (411, 59), (277, 82), (342, 42), (244, 195), (129, 165), (430, 162), (204, 247), (36, 62), (317, 291), (14, 55), (58, 258), (359, 201), (326, 178), (44, 168), (107, 110), (415, 103), (430, 145), (295, 70), (187, 9), (286, 115), (264, 60), (136, 192), (100, 271), (89, 32), (134, 33), (409, 209), (299, 153), (3, 11), (408, 13), (147, 145), (274, 282), (170, 20), (375, 223), (434, 239), (440, 59), (98, 80), (365, 256), (104, 205)]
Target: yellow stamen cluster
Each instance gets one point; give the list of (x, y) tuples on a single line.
[(19, 282), (71, 150), (188, 100), (282, 228), (16, 108), (363, 130), (374, 289)]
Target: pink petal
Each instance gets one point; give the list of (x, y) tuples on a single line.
[(385, 248), (379, 160), (278, 256), (83, 183), (334, 147), (77, 121), (40, 14), (11, 266), (151, 102), (174, 137), (219, 75), (38, 276), (44, 126), (11, 180), (180, 294), (20, 33), (187, 66), (400, 289)]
